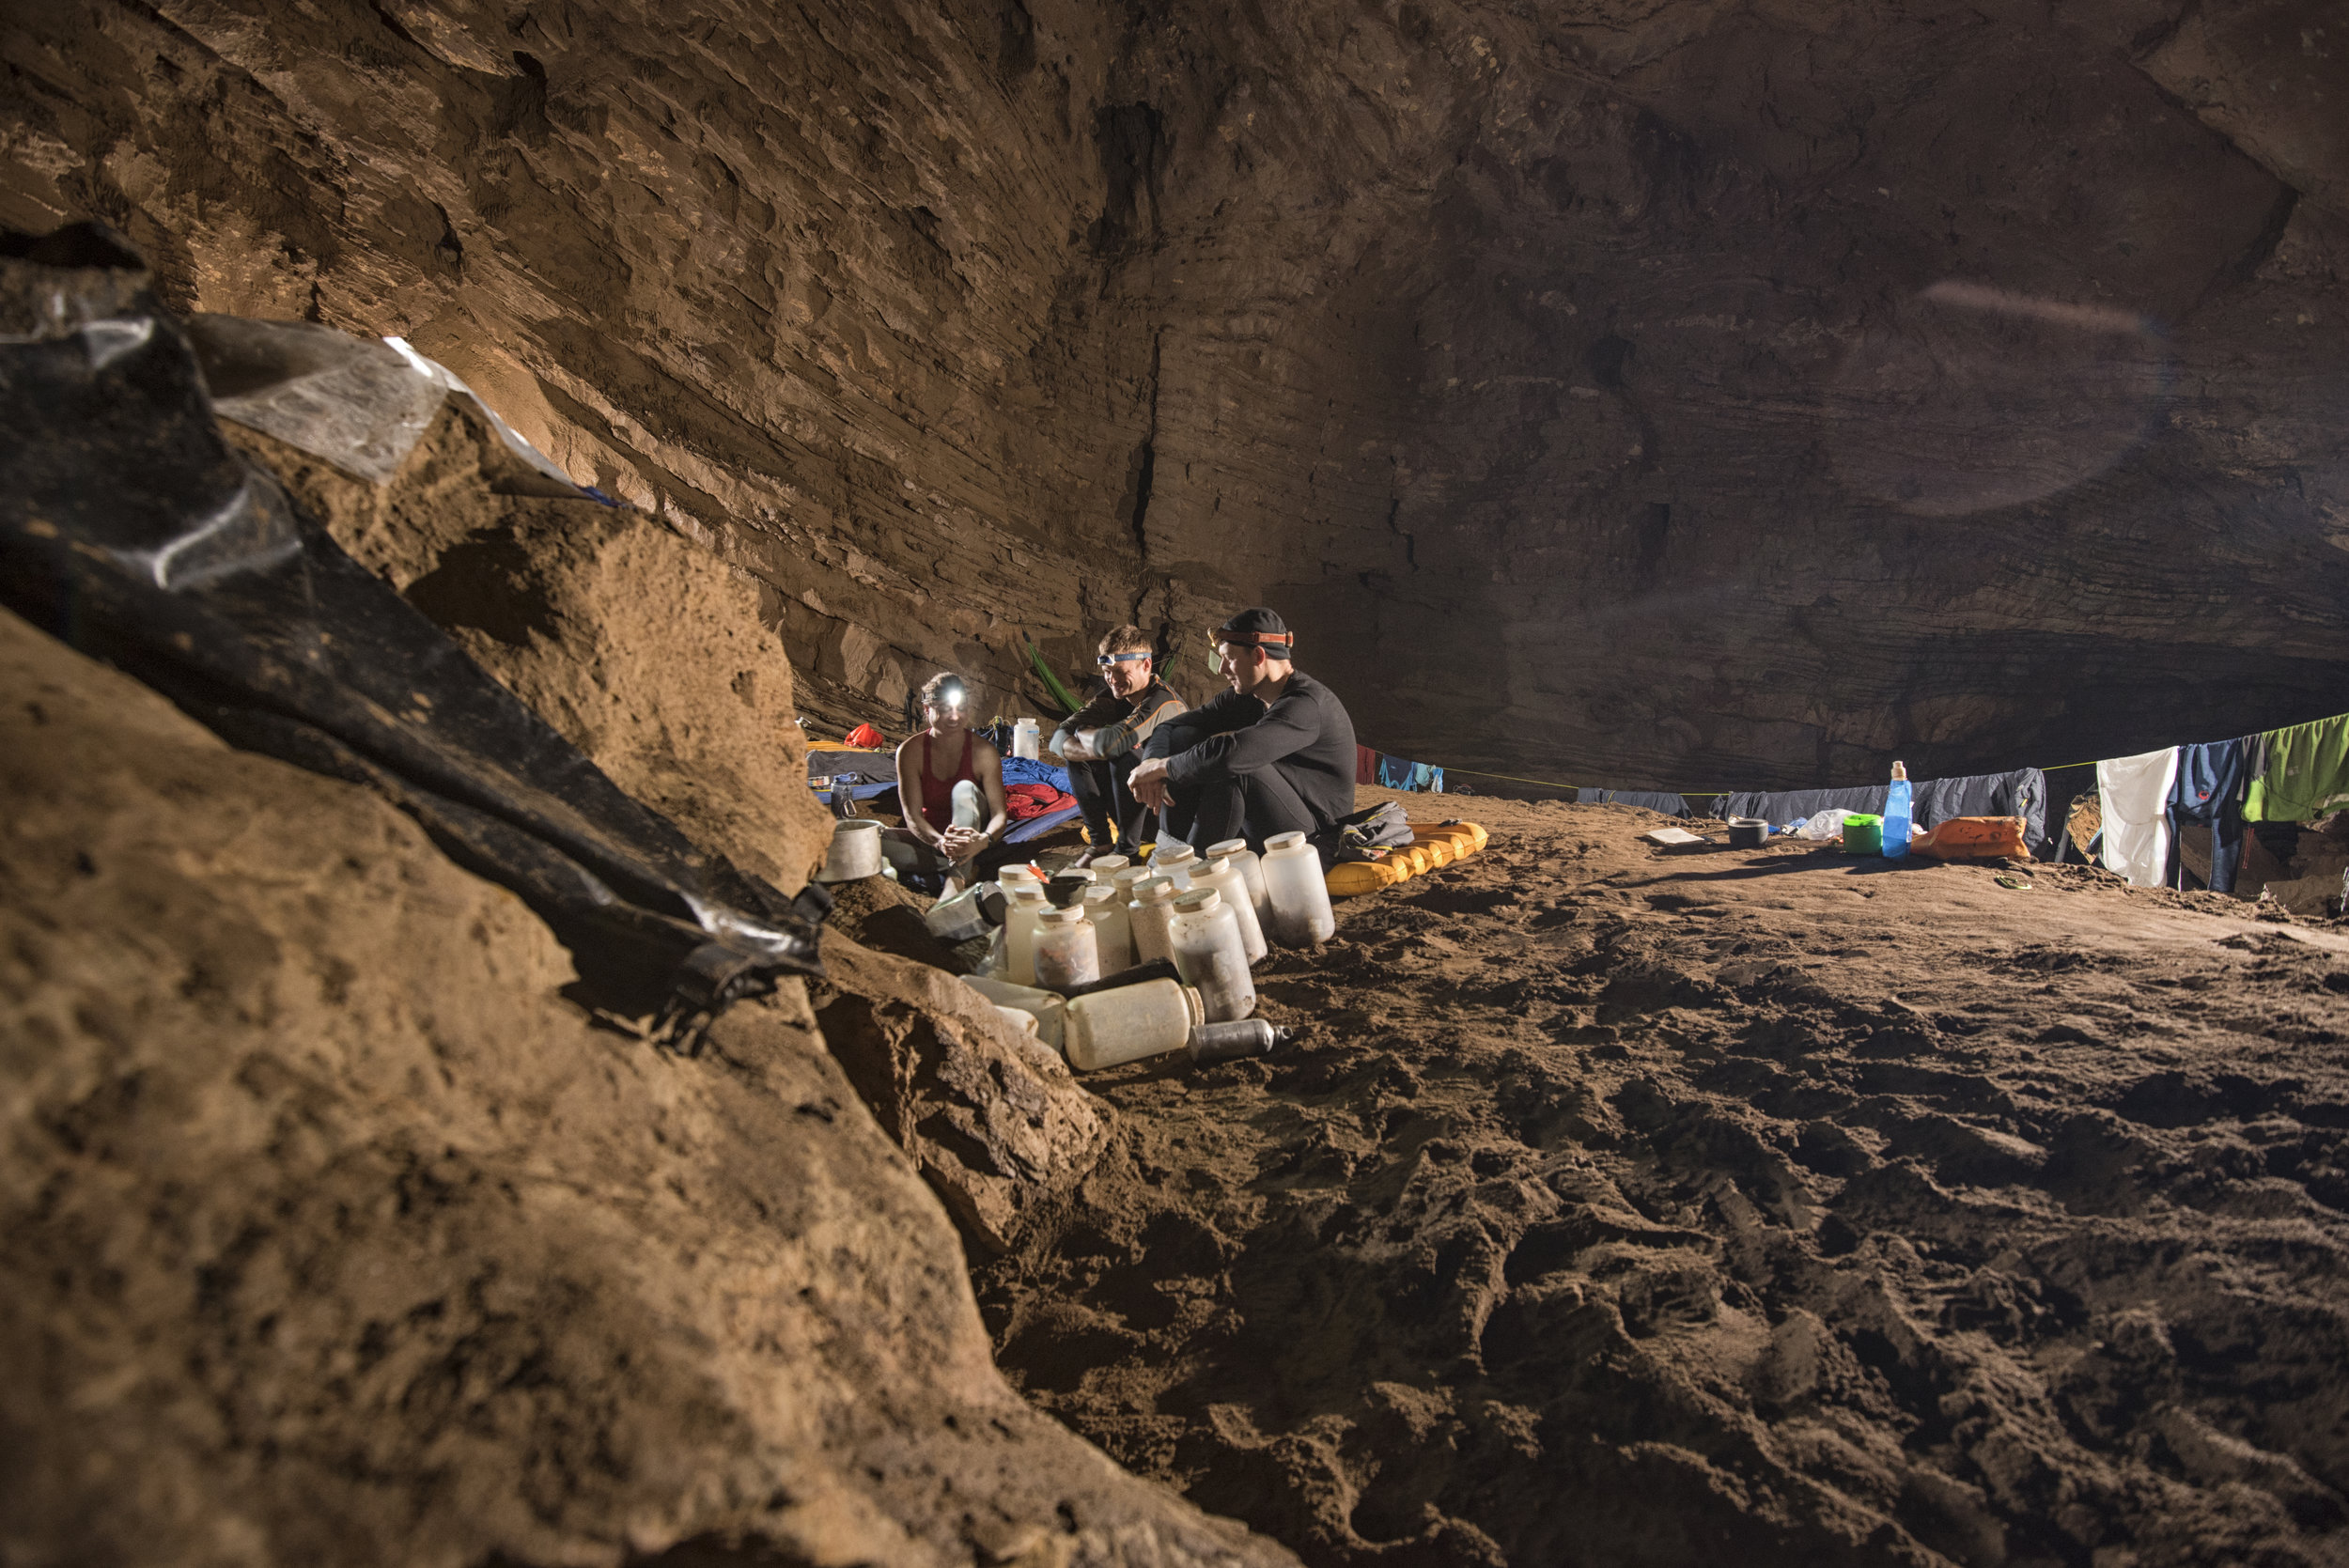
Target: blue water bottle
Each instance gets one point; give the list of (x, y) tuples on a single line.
[(1896, 814)]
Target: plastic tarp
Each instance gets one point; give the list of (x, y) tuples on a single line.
[(132, 531), (358, 404)]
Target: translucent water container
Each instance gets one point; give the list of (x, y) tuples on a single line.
[(1896, 814), (1174, 861), (1207, 953), (1026, 740), (1110, 1027), (1293, 879), (1066, 951), (1152, 907), (1237, 852), (1227, 880), (1112, 927), (1022, 904)]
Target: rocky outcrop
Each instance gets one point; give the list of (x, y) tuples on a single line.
[(336, 1233), (1691, 395), (994, 1121), (648, 654)]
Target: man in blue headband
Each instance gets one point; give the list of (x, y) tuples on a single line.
[(1272, 755), (1101, 742)]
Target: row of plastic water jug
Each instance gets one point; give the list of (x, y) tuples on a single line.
[(1208, 916)]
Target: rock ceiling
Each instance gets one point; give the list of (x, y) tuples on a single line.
[(1687, 394)]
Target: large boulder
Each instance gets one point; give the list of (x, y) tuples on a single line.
[(338, 1233)]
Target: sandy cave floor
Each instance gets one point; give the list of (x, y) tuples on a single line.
[(1624, 1205)]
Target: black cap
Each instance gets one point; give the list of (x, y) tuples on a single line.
[(1259, 628)]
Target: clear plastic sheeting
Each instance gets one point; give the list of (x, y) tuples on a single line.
[(561, 484), (131, 530), (350, 401)]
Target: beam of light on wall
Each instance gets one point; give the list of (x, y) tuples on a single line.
[(1969, 397)]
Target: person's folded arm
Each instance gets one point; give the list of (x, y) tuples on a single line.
[(1181, 732), (1286, 728), (1100, 710), (1135, 730)]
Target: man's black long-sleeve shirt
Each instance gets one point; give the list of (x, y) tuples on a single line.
[(1305, 735)]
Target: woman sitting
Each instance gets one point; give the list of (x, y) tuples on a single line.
[(935, 851)]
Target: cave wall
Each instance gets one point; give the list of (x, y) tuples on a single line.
[(1690, 393)]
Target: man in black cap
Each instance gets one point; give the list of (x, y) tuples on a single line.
[(1274, 753)]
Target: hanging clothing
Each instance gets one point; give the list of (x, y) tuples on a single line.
[(1780, 807), (2305, 772), (1394, 773), (938, 795), (1427, 779), (1365, 765), (2022, 793), (2135, 795), (2209, 789)]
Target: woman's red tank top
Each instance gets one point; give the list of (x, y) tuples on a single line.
[(938, 795)]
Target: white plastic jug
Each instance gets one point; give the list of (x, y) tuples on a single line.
[(1112, 928), (1022, 904), (1045, 1007), (1024, 739), (1108, 1028), (1294, 881), (1207, 955), (1106, 867), (1153, 905), (1227, 880), (1174, 861), (1067, 954), (1237, 852)]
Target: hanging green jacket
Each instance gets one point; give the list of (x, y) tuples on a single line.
[(2306, 775)]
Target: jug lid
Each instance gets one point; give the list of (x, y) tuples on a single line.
[(1100, 893), (1174, 854), (1069, 916), (1228, 846), (1199, 900), (1153, 890), (1106, 866), (1290, 840)]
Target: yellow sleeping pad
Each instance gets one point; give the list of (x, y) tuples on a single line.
[(1435, 844)]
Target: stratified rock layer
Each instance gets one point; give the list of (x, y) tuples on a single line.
[(1685, 394), (337, 1234)]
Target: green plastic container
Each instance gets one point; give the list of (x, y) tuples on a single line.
[(1863, 835)]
